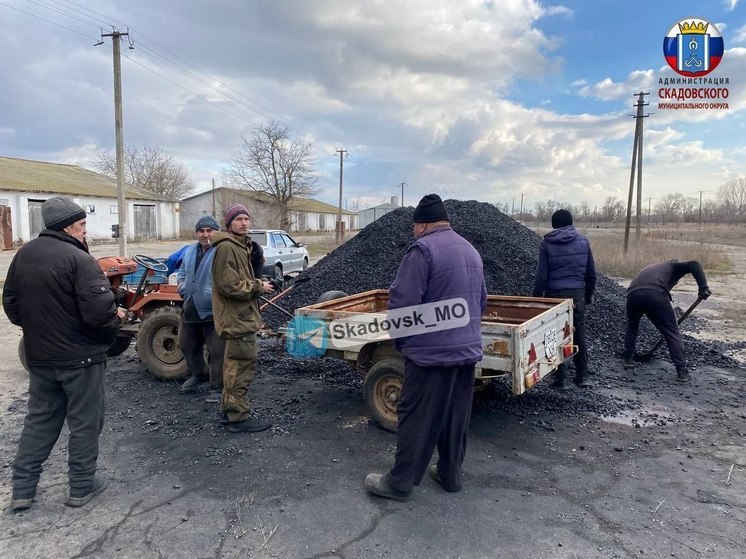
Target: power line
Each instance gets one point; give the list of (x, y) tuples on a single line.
[(47, 21), (209, 82)]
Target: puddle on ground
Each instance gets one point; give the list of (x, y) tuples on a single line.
[(643, 417)]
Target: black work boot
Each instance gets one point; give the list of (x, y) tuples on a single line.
[(582, 380), (682, 374), (250, 425), (80, 498), (21, 501), (378, 484), (560, 380), (192, 382), (630, 363)]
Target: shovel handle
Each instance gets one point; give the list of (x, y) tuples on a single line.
[(679, 321)]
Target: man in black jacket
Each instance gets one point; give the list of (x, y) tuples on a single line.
[(58, 294), (649, 294)]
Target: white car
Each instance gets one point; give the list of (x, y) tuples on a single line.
[(282, 254)]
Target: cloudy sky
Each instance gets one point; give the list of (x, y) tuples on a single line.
[(486, 100)]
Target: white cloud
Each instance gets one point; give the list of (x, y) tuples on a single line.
[(730, 5), (608, 90)]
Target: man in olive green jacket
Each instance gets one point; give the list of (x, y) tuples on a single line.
[(235, 295)]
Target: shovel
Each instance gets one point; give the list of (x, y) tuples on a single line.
[(649, 355)]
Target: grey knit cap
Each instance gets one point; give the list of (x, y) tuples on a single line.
[(207, 221), (59, 212)]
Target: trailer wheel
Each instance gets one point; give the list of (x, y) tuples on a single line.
[(330, 296), (158, 344), (382, 388), (120, 344), (22, 354)]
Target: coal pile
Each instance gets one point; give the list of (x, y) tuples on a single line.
[(509, 251)]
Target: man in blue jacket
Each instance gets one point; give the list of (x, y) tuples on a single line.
[(436, 395), (566, 270), (197, 328)]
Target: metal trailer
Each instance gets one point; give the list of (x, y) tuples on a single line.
[(524, 337)]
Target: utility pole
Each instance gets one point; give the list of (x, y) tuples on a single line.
[(119, 133), (213, 197), (636, 159), (512, 207), (650, 200), (700, 209), (403, 184), (339, 235), (521, 214)]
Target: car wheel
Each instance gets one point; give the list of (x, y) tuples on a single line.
[(305, 264)]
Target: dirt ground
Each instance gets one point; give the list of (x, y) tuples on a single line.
[(662, 474)]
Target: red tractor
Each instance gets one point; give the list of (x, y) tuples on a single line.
[(153, 311)]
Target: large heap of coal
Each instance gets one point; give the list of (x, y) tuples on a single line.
[(509, 251)]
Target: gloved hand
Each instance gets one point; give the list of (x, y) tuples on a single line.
[(704, 293)]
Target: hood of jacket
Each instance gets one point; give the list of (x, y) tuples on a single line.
[(225, 236), (562, 236)]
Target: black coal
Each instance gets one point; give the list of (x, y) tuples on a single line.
[(509, 251)]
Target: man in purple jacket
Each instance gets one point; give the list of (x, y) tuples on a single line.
[(566, 270), (436, 396)]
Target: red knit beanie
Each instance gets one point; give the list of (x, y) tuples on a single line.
[(234, 211)]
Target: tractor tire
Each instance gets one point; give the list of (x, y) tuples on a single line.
[(158, 344), (330, 296), (22, 354), (279, 277), (120, 344), (382, 388)]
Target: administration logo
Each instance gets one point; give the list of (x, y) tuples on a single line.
[(693, 47)]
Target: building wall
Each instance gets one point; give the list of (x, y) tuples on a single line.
[(101, 215), (368, 216), (263, 216), (201, 204)]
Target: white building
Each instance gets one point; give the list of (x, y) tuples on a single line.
[(369, 215), (25, 185), (305, 214)]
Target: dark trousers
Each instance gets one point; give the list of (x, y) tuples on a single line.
[(656, 305), (433, 411), (56, 394), (580, 359), (193, 337)]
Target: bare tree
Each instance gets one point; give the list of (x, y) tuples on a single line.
[(670, 206), (612, 209), (732, 198), (355, 205), (585, 212), (272, 163), (149, 168)]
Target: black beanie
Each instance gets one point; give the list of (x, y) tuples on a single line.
[(59, 212), (561, 218), (430, 209)]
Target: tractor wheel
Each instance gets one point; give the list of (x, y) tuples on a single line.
[(120, 344), (158, 344), (22, 354), (330, 296), (382, 389)]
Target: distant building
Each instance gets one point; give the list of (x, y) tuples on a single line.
[(26, 184), (369, 215), (305, 214)]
